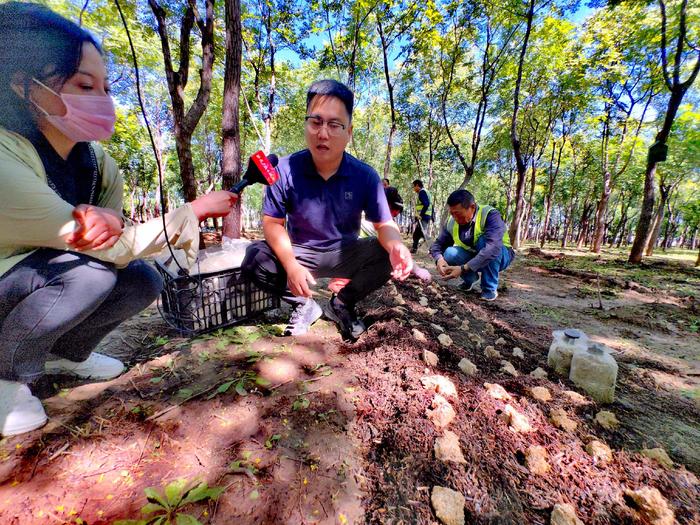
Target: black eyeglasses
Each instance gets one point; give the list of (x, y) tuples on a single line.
[(315, 123)]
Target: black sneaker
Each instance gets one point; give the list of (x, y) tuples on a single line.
[(349, 325), (303, 316)]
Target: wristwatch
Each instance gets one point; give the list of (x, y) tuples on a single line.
[(464, 268)]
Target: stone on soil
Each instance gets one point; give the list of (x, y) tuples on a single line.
[(488, 327), (575, 397), (539, 373), (423, 301), (559, 418), (607, 420), (455, 318), (540, 393), (399, 299), (496, 391), (430, 311), (517, 352), (437, 327), (659, 455), (445, 340), (492, 353), (447, 448), (439, 384), (599, 451), (430, 358), (466, 366), (651, 505), (464, 326), (508, 368), (419, 336), (536, 460), (518, 422), (475, 338), (448, 505), (442, 413), (564, 514), (500, 341)]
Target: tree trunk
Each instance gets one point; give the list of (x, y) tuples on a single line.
[(185, 122), (231, 140), (657, 151), (601, 210), (658, 221), (390, 91), (515, 226)]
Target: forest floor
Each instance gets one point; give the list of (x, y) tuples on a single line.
[(314, 430)]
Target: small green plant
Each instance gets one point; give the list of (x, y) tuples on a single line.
[(270, 442), (300, 404), (166, 508)]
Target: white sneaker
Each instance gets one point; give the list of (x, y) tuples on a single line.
[(303, 316), (20, 411), (97, 366)]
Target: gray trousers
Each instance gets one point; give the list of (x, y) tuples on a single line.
[(64, 303), (364, 261)]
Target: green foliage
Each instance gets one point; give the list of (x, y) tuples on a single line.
[(166, 506), (449, 63)]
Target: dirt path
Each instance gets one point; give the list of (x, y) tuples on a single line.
[(312, 430)]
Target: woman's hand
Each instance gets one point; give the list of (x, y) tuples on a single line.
[(214, 204), (98, 228)]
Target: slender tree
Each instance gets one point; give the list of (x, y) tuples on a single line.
[(678, 88), (231, 139)]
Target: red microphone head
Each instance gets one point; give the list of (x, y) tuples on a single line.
[(266, 165)]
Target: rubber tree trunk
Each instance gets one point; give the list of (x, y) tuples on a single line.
[(515, 226), (231, 139), (657, 151)]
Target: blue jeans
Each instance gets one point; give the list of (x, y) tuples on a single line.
[(456, 256), (64, 303)]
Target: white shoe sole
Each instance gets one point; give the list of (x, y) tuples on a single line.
[(26, 426)]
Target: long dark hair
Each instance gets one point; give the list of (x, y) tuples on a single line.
[(37, 43)]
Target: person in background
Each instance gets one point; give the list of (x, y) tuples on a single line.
[(423, 214), (69, 272), (311, 221), (474, 245), (393, 198)]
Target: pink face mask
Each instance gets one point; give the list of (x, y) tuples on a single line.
[(87, 117)]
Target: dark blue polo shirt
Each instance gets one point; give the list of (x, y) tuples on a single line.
[(325, 214)]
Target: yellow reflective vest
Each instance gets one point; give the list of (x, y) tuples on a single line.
[(479, 222)]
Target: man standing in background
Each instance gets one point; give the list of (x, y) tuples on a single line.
[(423, 214)]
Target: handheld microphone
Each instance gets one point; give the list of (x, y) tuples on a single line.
[(261, 169)]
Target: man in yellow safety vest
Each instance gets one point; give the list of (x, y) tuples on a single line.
[(474, 245)]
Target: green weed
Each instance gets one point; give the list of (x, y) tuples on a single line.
[(167, 507)]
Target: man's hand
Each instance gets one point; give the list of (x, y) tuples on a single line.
[(298, 280), (214, 204), (98, 228), (452, 272), (401, 261), (337, 283), (442, 266)]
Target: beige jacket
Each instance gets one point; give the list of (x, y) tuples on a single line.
[(33, 216)]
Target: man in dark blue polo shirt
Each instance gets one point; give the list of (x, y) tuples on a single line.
[(311, 220)]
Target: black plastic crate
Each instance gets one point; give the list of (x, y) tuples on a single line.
[(204, 302)]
